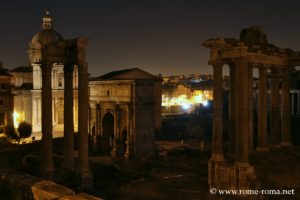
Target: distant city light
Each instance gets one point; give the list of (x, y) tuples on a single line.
[(188, 103)]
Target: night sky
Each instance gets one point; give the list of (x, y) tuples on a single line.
[(159, 36)]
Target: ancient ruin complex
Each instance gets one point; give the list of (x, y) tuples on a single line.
[(251, 51)]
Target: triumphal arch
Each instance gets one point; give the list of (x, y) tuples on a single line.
[(47, 50), (251, 51)]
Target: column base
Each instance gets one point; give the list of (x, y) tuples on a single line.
[(217, 157), (222, 175), (286, 144), (262, 149), (86, 179)]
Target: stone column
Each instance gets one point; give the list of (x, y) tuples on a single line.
[(242, 120), (232, 111), (46, 157), (292, 105), (83, 103), (285, 108), (275, 109), (262, 110), (298, 103), (68, 118), (250, 99), (217, 137)]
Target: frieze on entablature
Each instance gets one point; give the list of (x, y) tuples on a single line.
[(267, 59), (265, 66), (236, 52)]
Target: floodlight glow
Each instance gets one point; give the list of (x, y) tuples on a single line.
[(205, 103), (16, 119), (186, 106)]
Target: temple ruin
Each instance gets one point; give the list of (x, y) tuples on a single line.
[(46, 50), (251, 51)]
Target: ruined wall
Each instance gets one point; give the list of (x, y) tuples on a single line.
[(20, 186)]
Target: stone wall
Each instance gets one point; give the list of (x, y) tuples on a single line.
[(20, 186)]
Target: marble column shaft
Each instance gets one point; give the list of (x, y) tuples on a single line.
[(232, 110), (275, 108), (46, 158), (262, 109), (242, 120), (298, 103), (285, 108), (83, 104), (217, 137), (250, 99), (68, 118)]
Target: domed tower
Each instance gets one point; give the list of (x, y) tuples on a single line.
[(43, 38)]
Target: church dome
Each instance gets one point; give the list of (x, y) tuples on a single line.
[(47, 35)]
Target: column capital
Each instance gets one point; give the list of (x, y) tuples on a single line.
[(46, 67), (217, 64)]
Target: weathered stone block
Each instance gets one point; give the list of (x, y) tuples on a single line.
[(49, 190), (81, 196)]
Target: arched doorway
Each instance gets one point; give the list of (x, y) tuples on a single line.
[(107, 139)]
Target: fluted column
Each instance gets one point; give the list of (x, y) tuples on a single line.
[(46, 157), (242, 120), (68, 118), (285, 108), (275, 109), (217, 137), (262, 110), (232, 110), (250, 99), (83, 104)]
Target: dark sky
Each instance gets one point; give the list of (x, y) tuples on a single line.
[(159, 36)]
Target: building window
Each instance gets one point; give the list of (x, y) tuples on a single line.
[(60, 83), (1, 102), (107, 92)]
